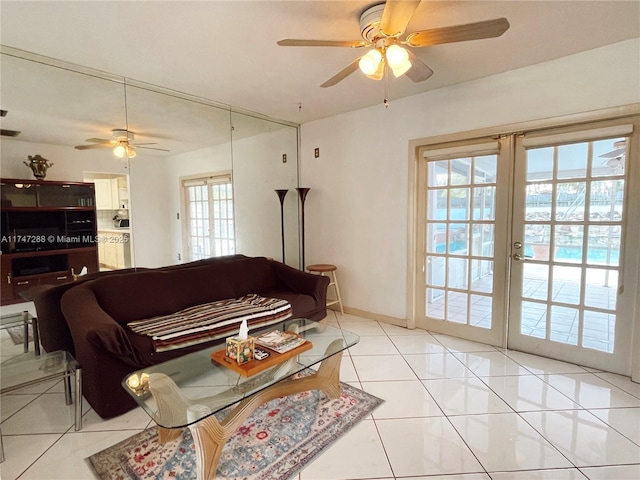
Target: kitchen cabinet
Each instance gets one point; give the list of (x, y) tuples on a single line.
[(111, 193), (114, 249)]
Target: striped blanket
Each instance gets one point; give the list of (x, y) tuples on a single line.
[(211, 321)]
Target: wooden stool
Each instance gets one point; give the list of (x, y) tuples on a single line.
[(323, 268)]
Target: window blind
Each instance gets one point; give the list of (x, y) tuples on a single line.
[(535, 141), (474, 150)]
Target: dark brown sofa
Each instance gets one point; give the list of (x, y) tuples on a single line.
[(97, 311)]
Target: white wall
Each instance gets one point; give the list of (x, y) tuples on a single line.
[(258, 171), (358, 204)]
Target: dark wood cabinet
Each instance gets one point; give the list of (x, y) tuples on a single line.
[(48, 234)]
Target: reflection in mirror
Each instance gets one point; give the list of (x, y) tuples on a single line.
[(51, 109), (179, 142), (197, 138), (265, 159)]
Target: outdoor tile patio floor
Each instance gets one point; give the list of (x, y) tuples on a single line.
[(454, 410)]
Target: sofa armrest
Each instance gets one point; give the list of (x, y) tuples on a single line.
[(302, 282), (92, 327), (54, 331)]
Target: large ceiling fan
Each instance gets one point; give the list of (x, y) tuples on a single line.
[(382, 27), (122, 143)]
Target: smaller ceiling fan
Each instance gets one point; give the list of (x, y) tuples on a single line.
[(382, 26), (121, 142)]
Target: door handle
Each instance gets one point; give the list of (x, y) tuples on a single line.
[(518, 257)]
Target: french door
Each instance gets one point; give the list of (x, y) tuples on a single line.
[(209, 222), (569, 225), (522, 243), (462, 207)]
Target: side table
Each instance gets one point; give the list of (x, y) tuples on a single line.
[(27, 369), (23, 318)]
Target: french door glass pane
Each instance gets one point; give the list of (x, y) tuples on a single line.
[(572, 230), (460, 235), (572, 160), (480, 313), (540, 164), (535, 283), (566, 284), (601, 288), (534, 319), (599, 331)]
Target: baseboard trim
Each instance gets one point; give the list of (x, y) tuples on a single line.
[(399, 322)]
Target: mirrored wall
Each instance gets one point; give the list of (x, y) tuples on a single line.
[(200, 178)]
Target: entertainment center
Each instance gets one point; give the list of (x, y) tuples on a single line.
[(48, 234)]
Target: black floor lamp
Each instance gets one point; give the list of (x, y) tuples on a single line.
[(281, 194), (302, 193)]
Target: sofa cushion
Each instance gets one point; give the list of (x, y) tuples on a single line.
[(136, 295), (252, 275), (300, 302), (202, 284)]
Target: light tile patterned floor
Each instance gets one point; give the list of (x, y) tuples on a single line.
[(455, 410)]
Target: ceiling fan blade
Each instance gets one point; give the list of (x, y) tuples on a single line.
[(419, 70), (138, 144), (342, 74), (98, 140), (89, 147), (459, 33), (292, 42), (152, 148), (396, 16)]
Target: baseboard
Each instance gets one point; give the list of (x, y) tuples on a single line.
[(399, 322)]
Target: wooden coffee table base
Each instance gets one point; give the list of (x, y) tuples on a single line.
[(210, 435)]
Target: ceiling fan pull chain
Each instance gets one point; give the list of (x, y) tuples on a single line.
[(386, 85)]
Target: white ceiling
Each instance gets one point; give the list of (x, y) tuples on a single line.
[(226, 50)]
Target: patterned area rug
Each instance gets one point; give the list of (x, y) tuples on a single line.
[(277, 441)]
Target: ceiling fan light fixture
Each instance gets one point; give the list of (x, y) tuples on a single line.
[(120, 150), (131, 152), (371, 62), (398, 59)]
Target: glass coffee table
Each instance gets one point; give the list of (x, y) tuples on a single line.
[(188, 391)]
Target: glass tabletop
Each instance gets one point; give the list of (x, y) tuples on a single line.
[(27, 369), (15, 319), (202, 387)]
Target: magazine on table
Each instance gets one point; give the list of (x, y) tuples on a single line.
[(280, 341)]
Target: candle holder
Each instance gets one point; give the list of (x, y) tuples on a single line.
[(281, 194), (138, 383), (302, 193)]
